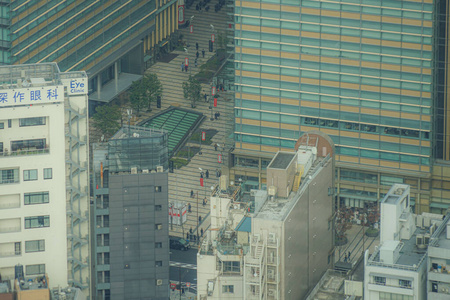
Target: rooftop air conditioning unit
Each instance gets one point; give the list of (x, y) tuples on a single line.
[(426, 239), (271, 292), (159, 169), (159, 282), (134, 170), (145, 171), (271, 274), (272, 191)]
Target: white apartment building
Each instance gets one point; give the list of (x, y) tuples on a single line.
[(398, 267), (273, 244), (44, 195), (438, 284)]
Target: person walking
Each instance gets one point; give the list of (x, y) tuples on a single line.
[(190, 230), (201, 232), (203, 202), (189, 207), (207, 174), (196, 46), (197, 54), (196, 63), (182, 67), (192, 194), (206, 97), (186, 68), (215, 147), (203, 52), (199, 219)]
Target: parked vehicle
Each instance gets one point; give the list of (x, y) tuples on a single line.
[(179, 244)]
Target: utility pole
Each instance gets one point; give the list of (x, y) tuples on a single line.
[(197, 218)]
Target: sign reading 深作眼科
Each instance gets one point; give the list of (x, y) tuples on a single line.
[(31, 95)]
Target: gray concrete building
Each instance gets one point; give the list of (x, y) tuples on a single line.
[(131, 246)]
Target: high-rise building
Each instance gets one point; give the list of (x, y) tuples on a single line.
[(43, 174), (369, 74), (111, 40), (131, 232)]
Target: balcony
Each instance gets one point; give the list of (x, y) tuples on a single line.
[(10, 225), (24, 152), (439, 276)]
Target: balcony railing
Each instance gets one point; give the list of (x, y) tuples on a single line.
[(8, 254), (24, 152), (10, 229)]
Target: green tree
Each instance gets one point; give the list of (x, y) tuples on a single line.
[(192, 90), (153, 88), (222, 40), (138, 97), (107, 119)]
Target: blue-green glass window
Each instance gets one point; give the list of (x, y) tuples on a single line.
[(310, 42), (310, 27), (370, 118), (410, 109), (425, 160), (290, 119), (251, 58), (270, 106), (250, 104), (370, 95), (270, 131), (271, 13), (287, 143), (292, 134), (411, 86), (290, 48), (270, 37), (290, 25), (310, 74), (349, 141), (270, 70), (290, 72), (270, 60), (310, 3), (251, 139), (251, 67), (251, 35), (293, 86), (251, 44), (330, 29), (270, 117), (291, 16), (270, 141), (349, 151), (389, 156), (292, 95), (289, 62), (250, 21), (390, 146), (270, 23), (328, 99), (290, 39), (270, 92), (369, 153), (351, 8), (309, 50), (349, 116), (251, 81), (371, 34), (410, 149), (328, 76), (370, 57), (351, 32), (249, 114)]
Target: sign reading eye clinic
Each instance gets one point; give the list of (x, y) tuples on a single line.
[(30, 96), (76, 86)]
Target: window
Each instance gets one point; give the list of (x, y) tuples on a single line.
[(37, 222), (28, 145), (9, 123), (158, 207), (29, 175), (158, 189), (228, 289), (48, 173), (404, 283), (158, 263), (158, 226), (36, 198), (32, 121), (379, 280), (34, 246), (9, 176), (2, 125), (392, 296), (158, 245), (35, 269), (231, 266)]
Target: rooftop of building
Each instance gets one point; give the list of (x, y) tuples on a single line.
[(396, 193), (67, 294), (410, 256), (32, 283), (439, 237), (281, 160), (42, 74), (330, 286), (278, 208)]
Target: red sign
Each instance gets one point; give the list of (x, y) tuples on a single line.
[(191, 29), (173, 286), (186, 61), (203, 136), (215, 102), (213, 37), (188, 284), (180, 14), (219, 158), (213, 90), (201, 181)]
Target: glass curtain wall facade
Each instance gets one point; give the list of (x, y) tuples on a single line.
[(360, 71)]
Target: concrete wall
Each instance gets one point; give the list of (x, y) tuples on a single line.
[(55, 255), (133, 236), (308, 237)]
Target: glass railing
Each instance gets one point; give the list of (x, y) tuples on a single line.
[(25, 152)]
